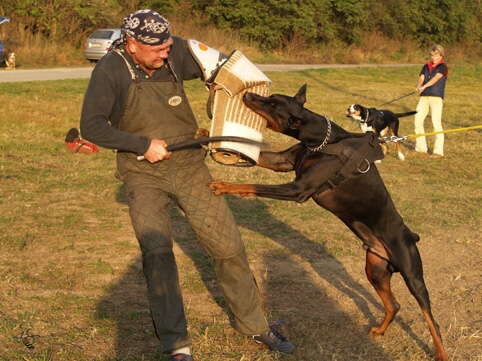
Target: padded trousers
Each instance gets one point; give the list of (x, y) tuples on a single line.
[(184, 179)]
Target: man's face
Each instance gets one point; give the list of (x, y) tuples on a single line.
[(149, 57)]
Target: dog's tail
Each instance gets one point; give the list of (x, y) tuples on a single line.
[(401, 115)]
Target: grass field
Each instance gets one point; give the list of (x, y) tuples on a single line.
[(71, 284)]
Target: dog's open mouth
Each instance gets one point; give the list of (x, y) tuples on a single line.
[(351, 111), (353, 115), (252, 102)]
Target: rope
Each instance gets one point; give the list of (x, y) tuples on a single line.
[(395, 139), (403, 96)]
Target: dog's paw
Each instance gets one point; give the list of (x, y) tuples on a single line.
[(377, 331), (219, 187), (202, 133), (401, 156)]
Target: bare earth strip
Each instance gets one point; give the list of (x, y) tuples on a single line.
[(21, 75)]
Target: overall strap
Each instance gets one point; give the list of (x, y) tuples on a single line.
[(134, 77)]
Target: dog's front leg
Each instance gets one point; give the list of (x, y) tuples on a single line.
[(220, 187), (275, 162), (280, 161), (292, 191)]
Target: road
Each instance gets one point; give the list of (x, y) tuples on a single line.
[(23, 75)]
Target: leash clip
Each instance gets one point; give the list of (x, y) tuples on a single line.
[(395, 139)]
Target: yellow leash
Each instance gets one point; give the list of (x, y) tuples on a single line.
[(395, 139)]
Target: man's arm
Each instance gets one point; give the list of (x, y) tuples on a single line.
[(101, 112)]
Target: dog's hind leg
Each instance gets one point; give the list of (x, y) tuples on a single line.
[(379, 275), (412, 273)]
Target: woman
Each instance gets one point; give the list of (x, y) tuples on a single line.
[(431, 86)]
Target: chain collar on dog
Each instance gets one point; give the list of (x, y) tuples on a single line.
[(328, 133), (366, 118)]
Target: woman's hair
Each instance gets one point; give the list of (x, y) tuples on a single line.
[(438, 49)]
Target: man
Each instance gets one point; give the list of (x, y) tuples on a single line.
[(135, 103)]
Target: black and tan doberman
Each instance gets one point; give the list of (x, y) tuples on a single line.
[(335, 168)]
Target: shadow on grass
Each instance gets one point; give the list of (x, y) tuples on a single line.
[(331, 318), (291, 297)]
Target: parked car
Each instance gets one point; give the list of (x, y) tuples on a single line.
[(3, 55), (97, 44), (3, 51)]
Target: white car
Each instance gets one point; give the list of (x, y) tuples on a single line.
[(97, 44)]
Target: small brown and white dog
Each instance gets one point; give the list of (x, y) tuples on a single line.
[(11, 61), (381, 122)]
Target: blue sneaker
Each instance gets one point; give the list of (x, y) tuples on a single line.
[(275, 340)]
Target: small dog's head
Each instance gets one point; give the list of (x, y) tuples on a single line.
[(12, 55), (354, 112)]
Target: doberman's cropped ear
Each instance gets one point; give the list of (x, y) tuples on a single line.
[(300, 97)]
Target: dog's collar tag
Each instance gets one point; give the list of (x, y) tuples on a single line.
[(175, 100)]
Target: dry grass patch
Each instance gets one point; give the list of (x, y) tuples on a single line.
[(71, 281)]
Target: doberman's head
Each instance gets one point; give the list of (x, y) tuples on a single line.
[(283, 113)]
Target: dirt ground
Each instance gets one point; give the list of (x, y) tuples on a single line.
[(320, 289), (78, 289), (72, 288)]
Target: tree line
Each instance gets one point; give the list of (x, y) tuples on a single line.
[(270, 23)]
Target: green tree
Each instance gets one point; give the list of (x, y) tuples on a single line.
[(272, 24), (63, 19), (428, 21)]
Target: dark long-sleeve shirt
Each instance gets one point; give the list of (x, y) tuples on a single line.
[(106, 95)]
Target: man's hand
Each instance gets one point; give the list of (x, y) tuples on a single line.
[(157, 151)]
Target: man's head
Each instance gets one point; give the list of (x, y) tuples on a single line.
[(147, 38), (146, 27)]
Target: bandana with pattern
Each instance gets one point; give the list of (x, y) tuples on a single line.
[(147, 27)]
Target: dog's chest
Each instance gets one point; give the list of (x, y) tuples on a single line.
[(366, 128)]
